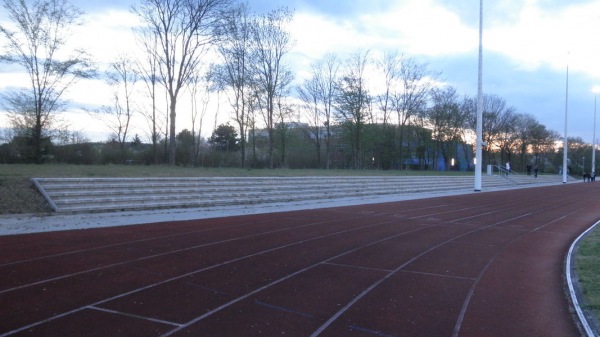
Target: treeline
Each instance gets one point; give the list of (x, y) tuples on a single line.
[(364, 110), (297, 148)]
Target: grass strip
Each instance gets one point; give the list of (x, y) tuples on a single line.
[(92, 171), (587, 264)]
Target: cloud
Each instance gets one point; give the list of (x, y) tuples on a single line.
[(315, 35), (107, 34), (13, 80), (421, 27), (416, 27), (540, 36)]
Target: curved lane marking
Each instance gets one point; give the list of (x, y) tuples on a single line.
[(583, 320)]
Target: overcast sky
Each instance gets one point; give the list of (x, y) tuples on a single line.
[(527, 47)]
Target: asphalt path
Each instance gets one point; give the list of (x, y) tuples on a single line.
[(481, 264)]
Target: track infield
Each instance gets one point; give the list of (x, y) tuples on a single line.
[(482, 264)]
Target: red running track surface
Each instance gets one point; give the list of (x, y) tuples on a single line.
[(483, 264)]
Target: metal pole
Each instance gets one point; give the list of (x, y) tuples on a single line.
[(565, 141), (479, 131), (594, 139)]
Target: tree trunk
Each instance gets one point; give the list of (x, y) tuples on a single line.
[(37, 142), (172, 142)]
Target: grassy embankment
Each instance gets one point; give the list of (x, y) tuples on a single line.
[(50, 170), (587, 263)]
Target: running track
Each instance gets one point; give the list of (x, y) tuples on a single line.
[(483, 264)]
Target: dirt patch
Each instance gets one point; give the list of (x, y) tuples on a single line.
[(18, 196)]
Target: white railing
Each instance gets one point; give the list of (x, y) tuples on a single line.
[(502, 171)]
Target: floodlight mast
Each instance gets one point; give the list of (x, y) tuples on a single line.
[(479, 129), (566, 141), (595, 90)]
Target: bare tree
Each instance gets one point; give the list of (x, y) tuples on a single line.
[(284, 113), (328, 83), (35, 40), (317, 95), (122, 77), (253, 107), (542, 143), (148, 71), (235, 74), (353, 102), (309, 94), (409, 95), (390, 67), (199, 87), (521, 137), (446, 121), (185, 29), (498, 121), (270, 43), (508, 136)]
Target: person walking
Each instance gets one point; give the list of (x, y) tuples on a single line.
[(507, 168)]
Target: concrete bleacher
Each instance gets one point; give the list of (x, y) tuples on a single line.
[(76, 195)]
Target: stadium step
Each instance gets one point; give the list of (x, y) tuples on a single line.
[(78, 195)]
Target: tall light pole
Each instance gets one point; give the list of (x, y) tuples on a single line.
[(595, 90), (565, 141), (479, 130)]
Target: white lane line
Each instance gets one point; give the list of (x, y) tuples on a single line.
[(507, 204), (465, 306), (369, 331), (446, 212), (90, 249), (243, 297), (344, 265), (121, 313), (374, 285), (377, 283), (467, 301), (154, 256), (175, 278), (438, 275), (284, 309), (573, 294)]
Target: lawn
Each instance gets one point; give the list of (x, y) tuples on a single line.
[(49, 170), (587, 264)]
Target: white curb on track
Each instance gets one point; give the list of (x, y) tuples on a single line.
[(586, 326)]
